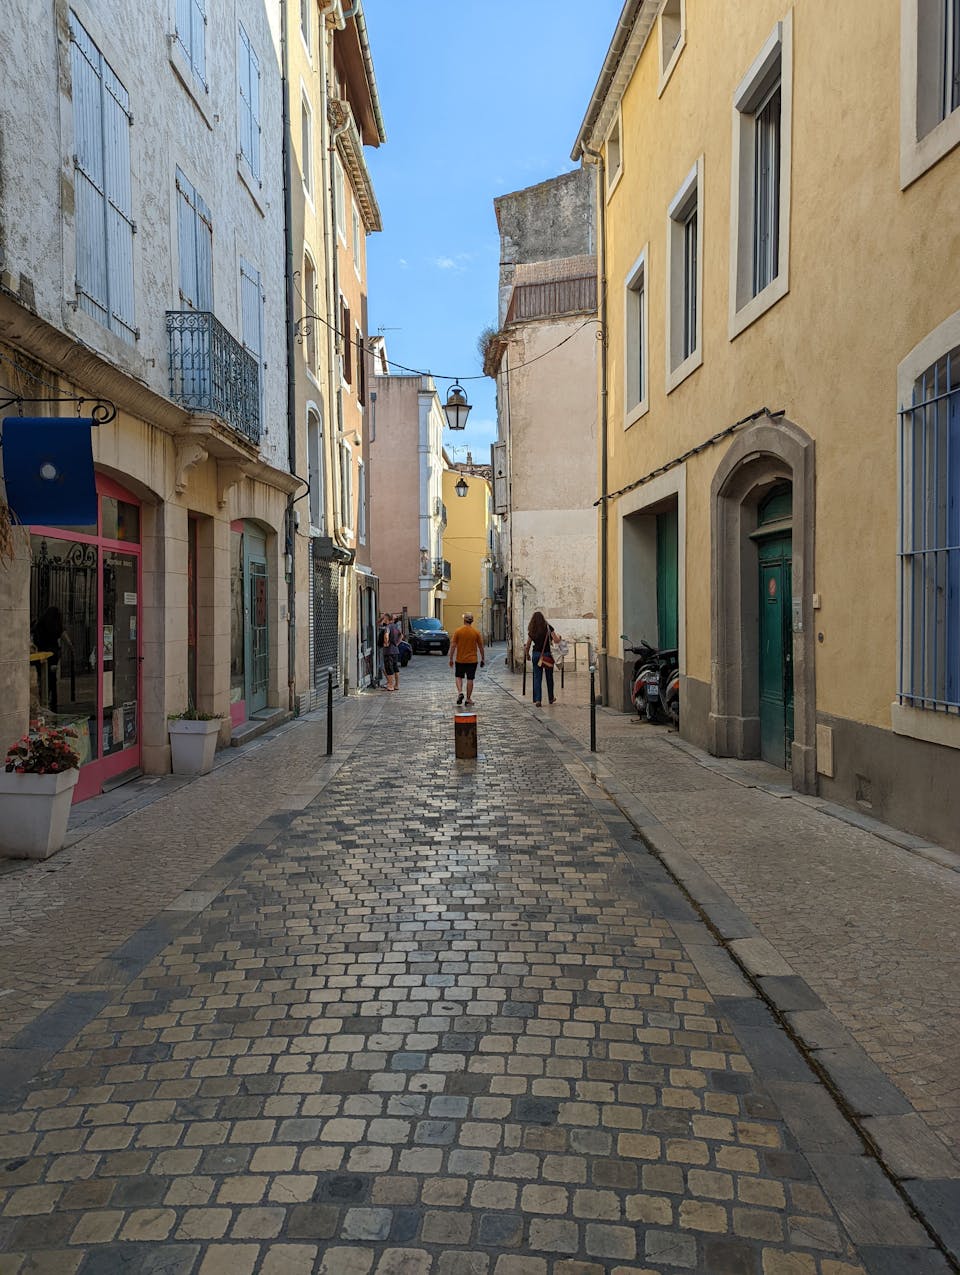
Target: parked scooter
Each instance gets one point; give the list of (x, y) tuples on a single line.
[(646, 659), (655, 690)]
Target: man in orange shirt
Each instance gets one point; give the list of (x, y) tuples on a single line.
[(465, 645)]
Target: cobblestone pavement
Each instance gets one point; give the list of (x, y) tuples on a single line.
[(59, 918), (447, 1018), (869, 927)]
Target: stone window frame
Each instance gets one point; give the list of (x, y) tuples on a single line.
[(745, 305), (690, 194), (672, 17), (636, 329), (924, 138), (613, 151)]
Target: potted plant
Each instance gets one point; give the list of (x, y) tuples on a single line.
[(193, 741), (36, 789)]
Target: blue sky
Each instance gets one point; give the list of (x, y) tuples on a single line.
[(479, 98)]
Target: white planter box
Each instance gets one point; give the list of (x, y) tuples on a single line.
[(192, 745), (34, 810)]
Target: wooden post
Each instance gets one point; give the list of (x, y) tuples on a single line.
[(465, 735)]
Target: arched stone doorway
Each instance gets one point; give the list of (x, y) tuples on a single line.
[(771, 456)]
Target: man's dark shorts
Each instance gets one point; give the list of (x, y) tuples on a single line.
[(469, 671), (391, 663)]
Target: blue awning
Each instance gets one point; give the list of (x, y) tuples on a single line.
[(48, 470)]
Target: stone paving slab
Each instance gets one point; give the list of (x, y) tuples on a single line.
[(438, 1021)]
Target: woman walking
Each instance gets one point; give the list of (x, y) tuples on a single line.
[(539, 636)]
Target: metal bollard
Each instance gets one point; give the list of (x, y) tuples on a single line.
[(593, 709), (330, 713), (524, 677)]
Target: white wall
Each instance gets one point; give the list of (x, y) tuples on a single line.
[(171, 126)]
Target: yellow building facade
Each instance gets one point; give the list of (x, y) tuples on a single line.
[(468, 547), (776, 236)]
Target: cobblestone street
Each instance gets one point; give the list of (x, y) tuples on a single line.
[(413, 1016)]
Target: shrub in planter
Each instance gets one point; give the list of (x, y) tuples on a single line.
[(36, 788), (193, 741)]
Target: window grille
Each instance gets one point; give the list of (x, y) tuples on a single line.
[(249, 73), (766, 190), (103, 196), (930, 540)]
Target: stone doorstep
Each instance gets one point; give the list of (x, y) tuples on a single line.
[(258, 725)]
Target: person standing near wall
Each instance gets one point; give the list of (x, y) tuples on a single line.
[(539, 636), (466, 647)]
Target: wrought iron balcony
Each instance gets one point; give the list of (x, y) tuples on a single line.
[(210, 371), (441, 568)]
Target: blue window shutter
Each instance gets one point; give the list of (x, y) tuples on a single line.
[(198, 47), (91, 246), (119, 204), (254, 114), (186, 244), (204, 239)]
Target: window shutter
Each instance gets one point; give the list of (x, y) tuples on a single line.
[(198, 40), (119, 204), (187, 243), (243, 78), (498, 457), (255, 114), (90, 219), (204, 230), (184, 22)]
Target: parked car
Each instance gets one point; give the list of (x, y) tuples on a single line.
[(406, 651), (428, 634)]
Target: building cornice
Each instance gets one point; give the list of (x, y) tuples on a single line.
[(350, 149), (636, 21)]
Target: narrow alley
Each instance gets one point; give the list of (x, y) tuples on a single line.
[(393, 1014)]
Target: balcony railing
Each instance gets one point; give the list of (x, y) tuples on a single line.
[(210, 371), (441, 568)]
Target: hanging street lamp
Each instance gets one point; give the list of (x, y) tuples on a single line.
[(456, 409), (460, 487)]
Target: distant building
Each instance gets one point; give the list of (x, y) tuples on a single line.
[(470, 548), (544, 360), (407, 514)]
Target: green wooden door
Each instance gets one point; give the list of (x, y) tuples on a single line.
[(667, 576), (255, 614), (776, 650)]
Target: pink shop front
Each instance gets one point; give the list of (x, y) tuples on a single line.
[(86, 640)]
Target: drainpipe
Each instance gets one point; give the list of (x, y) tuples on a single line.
[(291, 529), (596, 157)]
